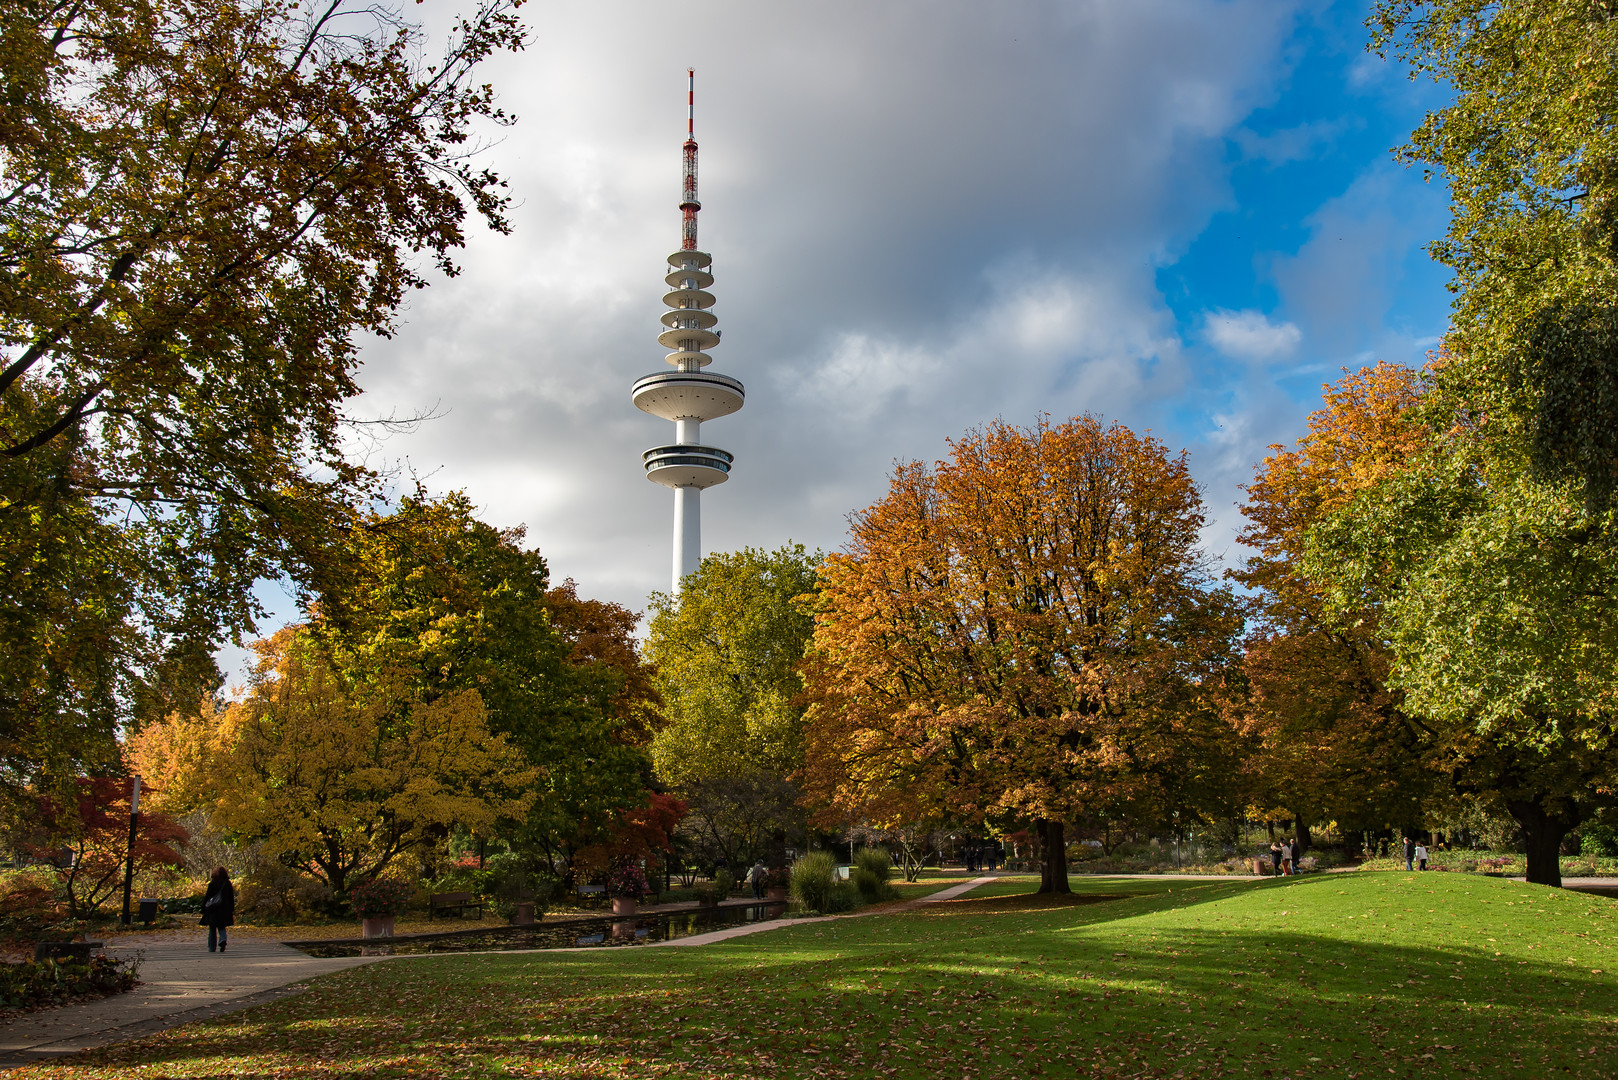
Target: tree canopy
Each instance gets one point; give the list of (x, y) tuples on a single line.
[(1020, 632), (726, 654), (202, 207), (1489, 557)]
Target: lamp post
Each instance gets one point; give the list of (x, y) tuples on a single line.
[(129, 861)]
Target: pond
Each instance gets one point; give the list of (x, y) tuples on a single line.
[(572, 933)]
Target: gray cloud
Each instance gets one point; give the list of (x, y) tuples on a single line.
[(923, 216)]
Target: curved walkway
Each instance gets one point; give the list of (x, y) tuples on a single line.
[(775, 924), (179, 983), (183, 981)]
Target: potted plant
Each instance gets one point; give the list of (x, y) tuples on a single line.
[(627, 884), (776, 880), (377, 901)]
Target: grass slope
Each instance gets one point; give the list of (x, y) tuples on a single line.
[(1344, 975)]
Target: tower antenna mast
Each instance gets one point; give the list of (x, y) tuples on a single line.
[(688, 395)]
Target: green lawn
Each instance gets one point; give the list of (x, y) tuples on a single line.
[(1343, 975)]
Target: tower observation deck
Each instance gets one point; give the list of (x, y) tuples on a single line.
[(688, 395)]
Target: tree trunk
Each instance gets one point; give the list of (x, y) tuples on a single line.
[(1053, 869), (1544, 832), (1305, 841)]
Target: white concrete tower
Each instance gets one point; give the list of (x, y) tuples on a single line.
[(688, 395)]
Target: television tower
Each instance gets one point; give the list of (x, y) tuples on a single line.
[(688, 395)]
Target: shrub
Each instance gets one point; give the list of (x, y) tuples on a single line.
[(47, 982), (777, 877), (29, 902), (381, 897), (843, 897), (812, 879), (871, 888), (724, 883), (872, 870), (1598, 840), (876, 862), (509, 879)]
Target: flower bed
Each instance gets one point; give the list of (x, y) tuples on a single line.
[(381, 898), (33, 984)]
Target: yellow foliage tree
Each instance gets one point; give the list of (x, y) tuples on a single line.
[(173, 757), (339, 772)]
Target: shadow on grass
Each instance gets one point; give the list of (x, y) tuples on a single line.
[(1003, 987)]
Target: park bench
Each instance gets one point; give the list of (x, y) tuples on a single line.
[(592, 890), (77, 951), (457, 902)]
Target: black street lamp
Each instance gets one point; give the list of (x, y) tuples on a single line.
[(129, 861)]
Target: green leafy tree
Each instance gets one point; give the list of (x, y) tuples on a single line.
[(460, 605), (726, 655), (1490, 561), (203, 207)]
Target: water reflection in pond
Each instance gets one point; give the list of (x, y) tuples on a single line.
[(563, 934)]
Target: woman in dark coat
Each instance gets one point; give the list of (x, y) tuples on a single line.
[(218, 908)]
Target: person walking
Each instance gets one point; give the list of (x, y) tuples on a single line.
[(1275, 855), (218, 908), (1421, 856), (756, 879), (1287, 867), (1410, 852)]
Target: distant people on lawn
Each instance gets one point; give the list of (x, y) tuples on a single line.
[(1410, 852), (218, 908), (1421, 856), (755, 878), (1275, 854)]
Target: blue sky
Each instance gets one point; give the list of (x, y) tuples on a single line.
[(924, 214)]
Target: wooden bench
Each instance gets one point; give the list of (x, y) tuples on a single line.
[(592, 890), (457, 902), (72, 951)]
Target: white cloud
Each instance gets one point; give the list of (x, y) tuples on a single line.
[(1249, 335), (923, 216)]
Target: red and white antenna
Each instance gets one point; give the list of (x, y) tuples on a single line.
[(688, 194), (688, 395)]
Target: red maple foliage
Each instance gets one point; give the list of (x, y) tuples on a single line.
[(87, 840), (642, 832)]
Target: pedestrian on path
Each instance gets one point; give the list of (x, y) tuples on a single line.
[(1410, 852), (218, 908), (1421, 856), (756, 879), (1275, 855)]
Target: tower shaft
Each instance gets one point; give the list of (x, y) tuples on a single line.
[(688, 395)]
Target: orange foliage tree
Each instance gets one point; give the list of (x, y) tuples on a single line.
[(1023, 632), (1329, 739), (605, 656)]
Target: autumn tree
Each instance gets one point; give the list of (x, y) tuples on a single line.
[(726, 653), (340, 773), (203, 209), (1330, 741), (1023, 632), (455, 604), (92, 831), (1492, 557)]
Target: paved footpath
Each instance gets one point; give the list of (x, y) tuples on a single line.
[(182, 982), (775, 924), (179, 983)]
